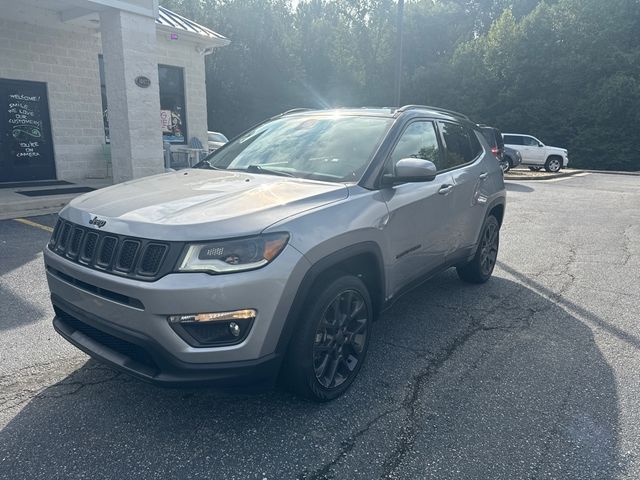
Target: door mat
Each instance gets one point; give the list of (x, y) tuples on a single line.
[(46, 183), (55, 191)]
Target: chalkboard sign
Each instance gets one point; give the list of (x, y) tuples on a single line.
[(26, 150)]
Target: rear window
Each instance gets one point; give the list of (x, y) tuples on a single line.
[(458, 145), (499, 139), (490, 136), (513, 140), (476, 148)]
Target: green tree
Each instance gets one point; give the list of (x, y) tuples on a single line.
[(566, 71)]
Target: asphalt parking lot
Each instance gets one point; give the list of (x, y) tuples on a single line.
[(534, 375)]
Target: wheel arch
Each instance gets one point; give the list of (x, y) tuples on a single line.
[(363, 260), (497, 210)]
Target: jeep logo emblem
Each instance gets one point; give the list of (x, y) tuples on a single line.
[(98, 222)]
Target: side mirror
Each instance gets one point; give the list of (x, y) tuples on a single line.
[(412, 170), (540, 144)]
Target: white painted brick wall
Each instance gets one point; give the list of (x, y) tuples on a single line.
[(67, 60)]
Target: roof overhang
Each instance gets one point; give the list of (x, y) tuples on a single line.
[(171, 22), (194, 38), (86, 14)]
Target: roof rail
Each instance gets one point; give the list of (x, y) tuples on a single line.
[(437, 109)]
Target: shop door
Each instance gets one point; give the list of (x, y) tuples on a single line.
[(26, 148)]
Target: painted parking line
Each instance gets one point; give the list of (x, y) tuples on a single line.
[(34, 224), (582, 174)]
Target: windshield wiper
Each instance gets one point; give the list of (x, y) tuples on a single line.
[(260, 169), (206, 165)]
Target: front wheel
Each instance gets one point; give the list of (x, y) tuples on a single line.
[(479, 269), (331, 342), (553, 165)]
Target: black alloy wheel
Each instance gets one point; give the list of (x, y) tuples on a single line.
[(340, 339), (489, 248), (480, 268), (330, 342)]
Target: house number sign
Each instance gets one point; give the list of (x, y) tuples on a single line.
[(142, 82)]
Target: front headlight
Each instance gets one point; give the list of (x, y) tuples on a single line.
[(235, 255)]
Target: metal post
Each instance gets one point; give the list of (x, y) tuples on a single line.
[(399, 27)]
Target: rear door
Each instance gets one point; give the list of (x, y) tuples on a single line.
[(515, 142), (464, 162), (418, 228), (26, 147), (532, 152)]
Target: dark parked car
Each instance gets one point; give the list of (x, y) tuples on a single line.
[(510, 159)]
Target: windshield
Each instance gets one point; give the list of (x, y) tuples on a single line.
[(330, 148)]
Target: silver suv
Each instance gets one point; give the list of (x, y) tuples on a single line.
[(271, 258)]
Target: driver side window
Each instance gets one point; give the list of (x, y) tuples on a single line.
[(417, 141), (530, 142)]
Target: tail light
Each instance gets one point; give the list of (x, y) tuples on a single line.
[(494, 150)]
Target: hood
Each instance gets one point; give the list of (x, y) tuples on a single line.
[(560, 150), (200, 204)]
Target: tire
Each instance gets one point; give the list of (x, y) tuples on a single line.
[(508, 165), (479, 269), (331, 341), (553, 164), (535, 169)]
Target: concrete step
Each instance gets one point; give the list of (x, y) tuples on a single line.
[(34, 206), (15, 205)]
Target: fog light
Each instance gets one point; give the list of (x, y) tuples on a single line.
[(234, 329), (213, 329)]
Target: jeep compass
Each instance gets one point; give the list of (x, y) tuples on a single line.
[(271, 258)]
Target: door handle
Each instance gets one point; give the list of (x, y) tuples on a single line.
[(445, 189), (483, 175)]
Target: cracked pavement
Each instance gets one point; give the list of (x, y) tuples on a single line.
[(534, 375)]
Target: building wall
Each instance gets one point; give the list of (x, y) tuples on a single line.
[(67, 60)]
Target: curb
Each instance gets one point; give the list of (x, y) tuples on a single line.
[(613, 172), (539, 179)]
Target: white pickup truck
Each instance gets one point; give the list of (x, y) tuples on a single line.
[(536, 154)]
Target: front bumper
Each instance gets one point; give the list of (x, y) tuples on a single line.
[(124, 322), (144, 358)]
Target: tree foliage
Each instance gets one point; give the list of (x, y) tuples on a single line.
[(566, 71)]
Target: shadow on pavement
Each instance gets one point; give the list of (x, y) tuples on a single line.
[(491, 381), (20, 247), (517, 187)]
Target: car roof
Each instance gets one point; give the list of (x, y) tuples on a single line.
[(388, 112)]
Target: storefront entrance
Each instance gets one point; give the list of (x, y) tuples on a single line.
[(26, 147)]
